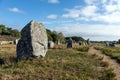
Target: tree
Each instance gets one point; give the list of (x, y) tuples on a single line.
[(61, 37), (9, 31), (54, 36), (15, 33), (49, 33), (75, 38), (2, 28)]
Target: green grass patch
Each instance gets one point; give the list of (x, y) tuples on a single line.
[(113, 52)]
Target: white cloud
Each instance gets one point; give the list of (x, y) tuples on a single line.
[(90, 1), (94, 32), (53, 1), (73, 13), (103, 1), (109, 18), (100, 11), (111, 8), (89, 11), (16, 10), (106, 11), (63, 22), (79, 13), (52, 16)]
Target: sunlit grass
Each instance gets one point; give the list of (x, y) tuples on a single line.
[(82, 48), (113, 52), (59, 64)]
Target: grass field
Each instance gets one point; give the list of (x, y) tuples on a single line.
[(113, 52), (59, 64)]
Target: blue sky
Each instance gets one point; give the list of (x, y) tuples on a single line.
[(94, 19)]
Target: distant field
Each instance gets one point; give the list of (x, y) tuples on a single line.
[(59, 64), (113, 52)]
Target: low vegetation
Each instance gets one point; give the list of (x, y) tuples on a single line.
[(82, 48), (113, 52), (59, 64)]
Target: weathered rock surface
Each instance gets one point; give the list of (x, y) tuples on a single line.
[(33, 41)]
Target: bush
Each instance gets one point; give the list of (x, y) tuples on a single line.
[(104, 64), (83, 48), (108, 74)]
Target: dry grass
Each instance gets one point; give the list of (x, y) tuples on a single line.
[(59, 64), (113, 52)]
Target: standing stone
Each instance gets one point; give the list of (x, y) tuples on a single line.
[(33, 41), (80, 42), (110, 44), (107, 44), (57, 42), (50, 44), (16, 41), (119, 41), (69, 43), (88, 41), (83, 43)]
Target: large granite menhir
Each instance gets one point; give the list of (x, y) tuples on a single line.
[(33, 41)]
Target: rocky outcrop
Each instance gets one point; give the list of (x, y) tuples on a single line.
[(33, 41)]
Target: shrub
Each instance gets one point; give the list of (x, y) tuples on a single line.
[(83, 48), (108, 74)]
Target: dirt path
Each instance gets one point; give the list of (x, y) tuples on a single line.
[(112, 63)]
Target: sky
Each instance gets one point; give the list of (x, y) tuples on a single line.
[(93, 19)]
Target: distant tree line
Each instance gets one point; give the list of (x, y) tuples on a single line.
[(9, 31), (75, 38), (54, 36)]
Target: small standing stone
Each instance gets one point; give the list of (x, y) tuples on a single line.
[(50, 44), (107, 44), (69, 43), (80, 42), (16, 41), (119, 41), (88, 41), (57, 42), (110, 44)]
